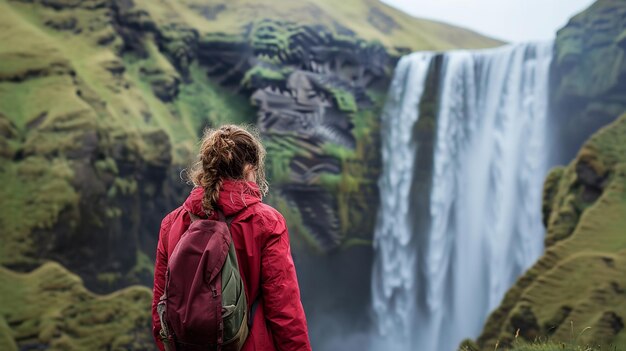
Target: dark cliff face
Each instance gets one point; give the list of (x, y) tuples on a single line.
[(133, 113), (589, 74), (308, 87), (81, 186), (100, 201)]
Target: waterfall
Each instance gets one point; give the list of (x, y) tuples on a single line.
[(393, 294), (435, 287)]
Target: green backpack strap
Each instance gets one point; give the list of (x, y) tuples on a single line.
[(255, 304), (234, 302)]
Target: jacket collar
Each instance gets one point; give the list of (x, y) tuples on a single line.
[(235, 195)]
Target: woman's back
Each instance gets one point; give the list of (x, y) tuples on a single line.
[(262, 244)]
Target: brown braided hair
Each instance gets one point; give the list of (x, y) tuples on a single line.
[(225, 153)]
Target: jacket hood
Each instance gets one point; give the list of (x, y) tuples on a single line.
[(235, 195)]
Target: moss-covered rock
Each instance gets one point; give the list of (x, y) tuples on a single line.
[(549, 192), (95, 123), (579, 282), (50, 309)]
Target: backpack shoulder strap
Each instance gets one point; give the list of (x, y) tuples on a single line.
[(229, 221), (222, 218)]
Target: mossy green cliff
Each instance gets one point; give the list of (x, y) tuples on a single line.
[(50, 309), (580, 279)]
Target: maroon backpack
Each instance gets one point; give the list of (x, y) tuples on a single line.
[(204, 305)]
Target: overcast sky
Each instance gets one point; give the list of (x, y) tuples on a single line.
[(508, 20)]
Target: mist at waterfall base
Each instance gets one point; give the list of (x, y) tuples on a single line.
[(442, 266)]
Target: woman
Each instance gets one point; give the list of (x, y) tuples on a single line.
[(230, 177)]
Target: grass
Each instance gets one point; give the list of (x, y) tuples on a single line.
[(18, 56), (281, 150), (344, 100), (554, 346), (26, 101), (560, 347), (205, 98), (260, 74), (547, 344), (361, 17), (550, 346)]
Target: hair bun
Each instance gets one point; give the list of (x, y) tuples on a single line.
[(225, 146), (224, 154)]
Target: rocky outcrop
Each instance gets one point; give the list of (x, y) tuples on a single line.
[(588, 74), (80, 184), (314, 105)]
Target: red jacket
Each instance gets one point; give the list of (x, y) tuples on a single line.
[(262, 244)]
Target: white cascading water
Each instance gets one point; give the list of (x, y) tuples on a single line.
[(393, 294), (490, 161)]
